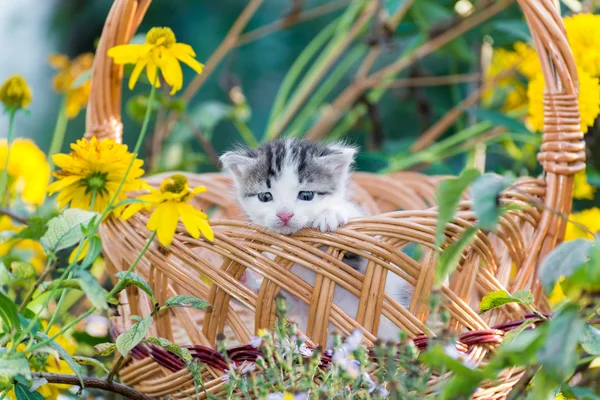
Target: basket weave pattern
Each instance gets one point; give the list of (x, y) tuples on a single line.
[(403, 212)]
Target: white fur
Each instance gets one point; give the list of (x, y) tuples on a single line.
[(325, 213)]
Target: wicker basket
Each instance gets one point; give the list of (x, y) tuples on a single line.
[(524, 237)]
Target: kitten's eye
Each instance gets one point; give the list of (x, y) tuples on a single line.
[(265, 197), (306, 196)]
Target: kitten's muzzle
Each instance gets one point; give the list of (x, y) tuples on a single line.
[(284, 216)]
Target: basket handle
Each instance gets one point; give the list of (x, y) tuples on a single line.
[(562, 153), (103, 118)]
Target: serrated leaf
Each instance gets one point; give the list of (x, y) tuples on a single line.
[(22, 270), (64, 355), (90, 361), (134, 279), (448, 196), (450, 257), (501, 297), (65, 230), (8, 313), (187, 301), (35, 229), (23, 392), (11, 367), (559, 355), (563, 261), (128, 340), (590, 341), (485, 192), (92, 289), (104, 349), (179, 351)]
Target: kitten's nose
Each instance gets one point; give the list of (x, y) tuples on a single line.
[(285, 216)]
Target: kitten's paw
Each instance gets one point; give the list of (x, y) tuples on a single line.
[(329, 220)]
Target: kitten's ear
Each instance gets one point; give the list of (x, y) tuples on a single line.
[(236, 162), (341, 160)]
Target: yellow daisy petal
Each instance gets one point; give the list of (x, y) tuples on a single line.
[(188, 217), (164, 221), (206, 230), (191, 62), (128, 53), (135, 74), (151, 70), (171, 71)]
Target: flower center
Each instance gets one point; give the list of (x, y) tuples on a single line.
[(160, 37), (175, 184), (96, 182)]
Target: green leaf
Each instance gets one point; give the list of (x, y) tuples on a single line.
[(485, 193), (93, 251), (35, 229), (179, 351), (62, 353), (187, 301), (590, 341), (81, 79), (11, 367), (448, 196), (66, 284), (580, 393), (136, 280), (23, 392), (498, 118), (559, 356), (22, 270), (90, 361), (563, 261), (104, 349), (92, 289), (8, 313), (65, 230), (501, 297), (514, 28), (128, 340), (450, 257)]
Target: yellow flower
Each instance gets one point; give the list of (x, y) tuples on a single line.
[(95, 166), (589, 101), (68, 72), (589, 218), (28, 171), (502, 61), (15, 93), (170, 203), (26, 250), (583, 190), (53, 365), (529, 63), (583, 31), (161, 51)]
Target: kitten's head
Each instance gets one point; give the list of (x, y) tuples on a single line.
[(285, 184)]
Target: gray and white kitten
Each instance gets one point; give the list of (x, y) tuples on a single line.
[(289, 184)]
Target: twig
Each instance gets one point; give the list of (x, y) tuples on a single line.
[(289, 21), (115, 369), (206, 144), (432, 80), (348, 97), (93, 383), (36, 284), (13, 216)]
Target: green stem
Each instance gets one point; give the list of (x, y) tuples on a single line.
[(136, 150), (245, 132), (60, 129), (4, 176), (118, 287)]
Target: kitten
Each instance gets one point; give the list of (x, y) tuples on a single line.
[(291, 184)]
